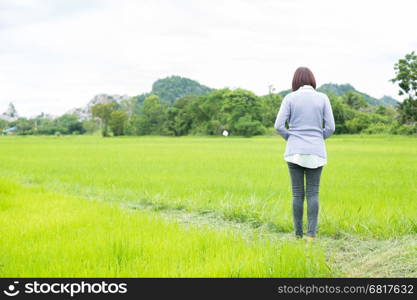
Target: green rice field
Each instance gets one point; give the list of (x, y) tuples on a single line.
[(86, 206)]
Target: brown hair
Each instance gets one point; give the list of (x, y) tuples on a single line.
[(303, 76)]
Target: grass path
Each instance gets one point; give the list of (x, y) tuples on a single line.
[(349, 255)]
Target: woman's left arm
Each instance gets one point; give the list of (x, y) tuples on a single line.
[(282, 117)]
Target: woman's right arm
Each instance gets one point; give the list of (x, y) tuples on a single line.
[(329, 124)]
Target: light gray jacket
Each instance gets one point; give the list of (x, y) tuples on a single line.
[(305, 110)]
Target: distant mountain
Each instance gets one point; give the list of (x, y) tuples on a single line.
[(389, 101), (172, 88), (10, 114), (168, 89), (340, 89)]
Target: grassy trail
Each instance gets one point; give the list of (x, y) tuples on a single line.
[(347, 254)]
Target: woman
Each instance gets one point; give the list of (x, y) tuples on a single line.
[(305, 109)]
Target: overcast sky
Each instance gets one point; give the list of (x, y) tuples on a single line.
[(57, 54)]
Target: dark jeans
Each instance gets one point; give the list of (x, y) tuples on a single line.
[(312, 192)]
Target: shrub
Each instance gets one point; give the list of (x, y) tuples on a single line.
[(358, 123), (404, 129), (271, 131), (247, 127), (214, 127), (377, 128)]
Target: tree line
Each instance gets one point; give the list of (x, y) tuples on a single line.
[(239, 111)]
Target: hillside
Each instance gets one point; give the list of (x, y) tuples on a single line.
[(340, 89), (389, 100), (172, 88)]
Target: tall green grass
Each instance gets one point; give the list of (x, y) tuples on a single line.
[(46, 234), (369, 186)]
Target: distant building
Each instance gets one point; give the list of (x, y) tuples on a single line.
[(9, 131)]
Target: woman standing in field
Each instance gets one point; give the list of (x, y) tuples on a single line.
[(305, 109)]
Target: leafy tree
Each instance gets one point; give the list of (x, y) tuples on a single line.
[(378, 118), (269, 108), (24, 126), (360, 122), (129, 106), (339, 113), (3, 124), (90, 126), (354, 100), (44, 124), (69, 124), (239, 103), (406, 76), (209, 110), (117, 122), (377, 128), (381, 109), (408, 111), (214, 127), (181, 118), (247, 127), (153, 117), (103, 112)]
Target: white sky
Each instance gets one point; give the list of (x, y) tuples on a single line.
[(57, 54)]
